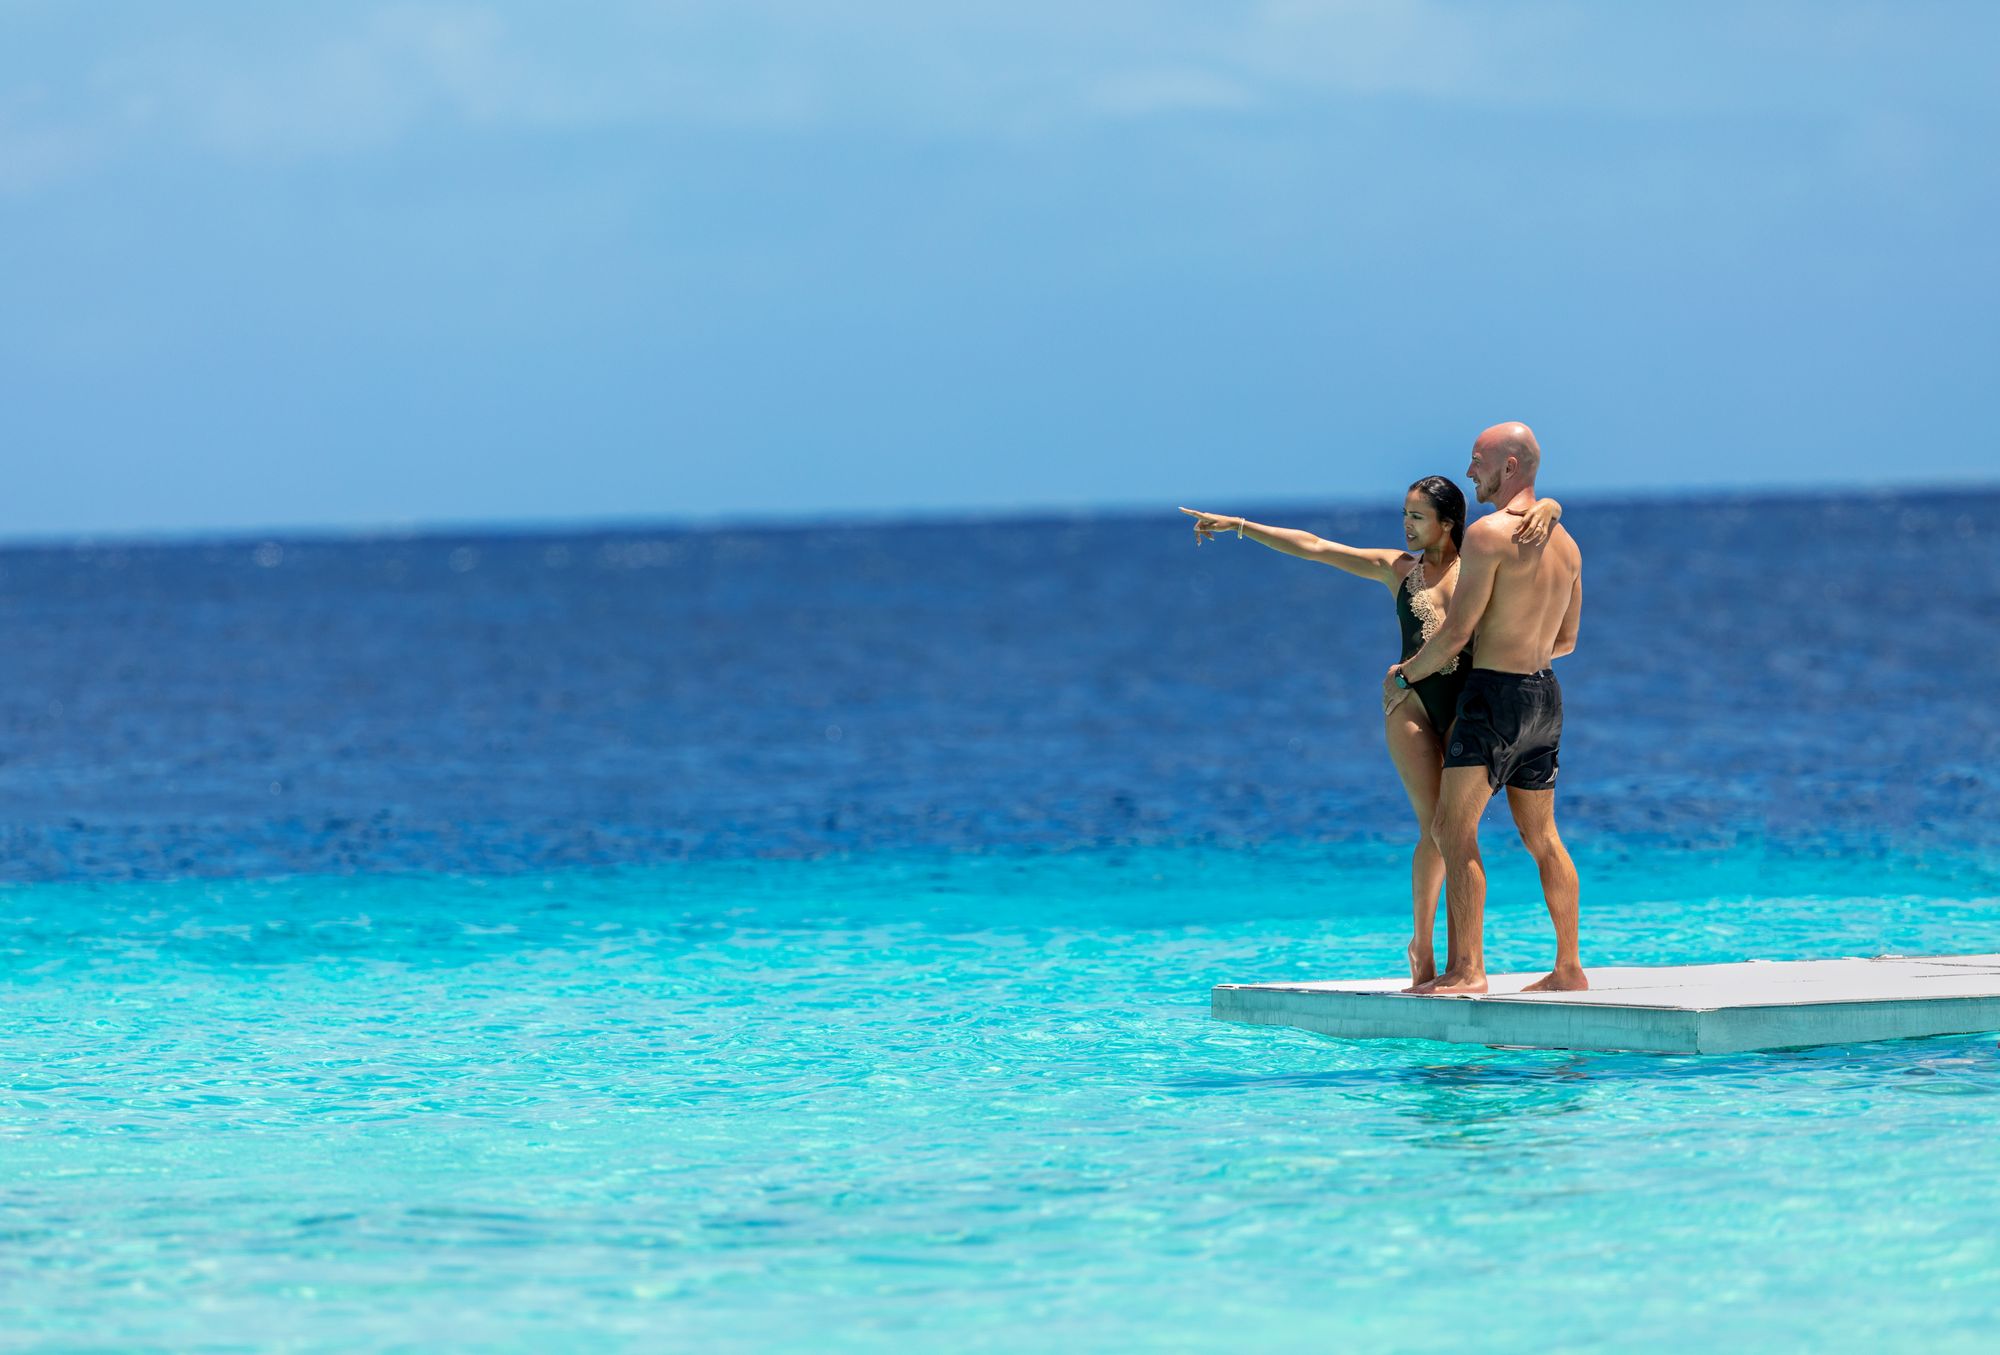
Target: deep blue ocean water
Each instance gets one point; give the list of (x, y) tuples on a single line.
[(801, 938)]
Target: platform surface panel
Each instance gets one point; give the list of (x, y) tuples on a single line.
[(1714, 1008)]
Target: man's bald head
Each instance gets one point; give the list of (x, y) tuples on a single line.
[(1505, 456), (1516, 440)]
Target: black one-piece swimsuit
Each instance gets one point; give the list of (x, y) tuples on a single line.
[(1439, 692)]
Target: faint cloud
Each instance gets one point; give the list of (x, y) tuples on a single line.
[(332, 80), (37, 145), (1891, 148), (336, 89), (33, 157), (1386, 46), (253, 81), (1147, 93)]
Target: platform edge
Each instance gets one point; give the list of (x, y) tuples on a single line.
[(1398, 1016), (1742, 1030)]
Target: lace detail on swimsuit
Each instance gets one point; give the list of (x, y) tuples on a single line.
[(1424, 609)]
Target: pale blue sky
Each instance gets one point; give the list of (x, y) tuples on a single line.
[(342, 264)]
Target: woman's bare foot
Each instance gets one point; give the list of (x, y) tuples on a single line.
[(1423, 965), (1564, 979)]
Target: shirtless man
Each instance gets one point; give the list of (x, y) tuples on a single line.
[(1518, 605)]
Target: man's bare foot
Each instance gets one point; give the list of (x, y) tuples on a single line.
[(1463, 984), (1423, 965), (1564, 979)]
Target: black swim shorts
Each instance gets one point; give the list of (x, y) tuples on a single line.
[(1510, 724)]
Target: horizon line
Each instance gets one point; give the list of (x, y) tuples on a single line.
[(810, 520)]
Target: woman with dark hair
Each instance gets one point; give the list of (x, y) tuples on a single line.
[(1423, 577)]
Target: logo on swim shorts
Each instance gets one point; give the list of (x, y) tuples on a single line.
[(1457, 748)]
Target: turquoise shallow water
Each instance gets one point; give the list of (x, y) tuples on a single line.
[(971, 1102)]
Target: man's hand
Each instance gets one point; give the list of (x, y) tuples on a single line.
[(1207, 525), (1392, 695)]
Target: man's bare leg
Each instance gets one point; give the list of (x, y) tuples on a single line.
[(1535, 817), (1462, 797)]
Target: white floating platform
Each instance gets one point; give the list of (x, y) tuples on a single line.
[(1680, 1009)]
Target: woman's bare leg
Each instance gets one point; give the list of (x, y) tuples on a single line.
[(1419, 757)]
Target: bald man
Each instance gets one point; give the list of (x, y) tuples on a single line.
[(1518, 605)]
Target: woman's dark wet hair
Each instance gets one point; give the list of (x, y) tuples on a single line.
[(1448, 500)]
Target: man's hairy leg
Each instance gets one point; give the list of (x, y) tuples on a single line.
[(1462, 798), (1535, 817)]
